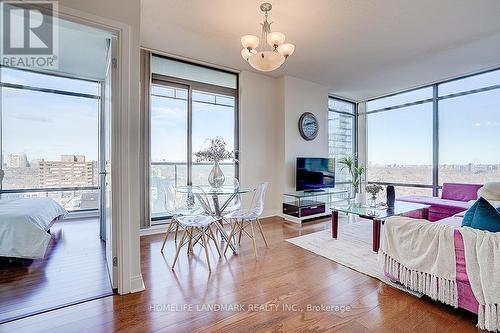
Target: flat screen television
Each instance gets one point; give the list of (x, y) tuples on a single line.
[(314, 173)]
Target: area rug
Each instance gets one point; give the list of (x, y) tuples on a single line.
[(352, 248)]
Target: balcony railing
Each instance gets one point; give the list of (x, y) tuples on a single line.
[(73, 199), (176, 174)]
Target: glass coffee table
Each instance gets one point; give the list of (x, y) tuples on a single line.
[(376, 215)]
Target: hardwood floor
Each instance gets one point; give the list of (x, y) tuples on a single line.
[(73, 271), (284, 275)]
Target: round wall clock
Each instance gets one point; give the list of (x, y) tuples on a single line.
[(308, 126)]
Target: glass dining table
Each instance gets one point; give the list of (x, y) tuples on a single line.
[(221, 198)]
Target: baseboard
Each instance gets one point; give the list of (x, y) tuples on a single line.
[(153, 230), (137, 284), (162, 228), (270, 213)]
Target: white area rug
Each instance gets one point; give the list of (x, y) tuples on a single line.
[(352, 248)]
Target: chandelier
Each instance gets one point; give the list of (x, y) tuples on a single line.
[(268, 56)]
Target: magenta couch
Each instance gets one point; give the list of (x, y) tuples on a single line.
[(466, 299), (453, 200)]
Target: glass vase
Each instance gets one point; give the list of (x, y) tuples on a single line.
[(216, 177)]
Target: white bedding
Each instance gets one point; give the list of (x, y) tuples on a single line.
[(23, 226)]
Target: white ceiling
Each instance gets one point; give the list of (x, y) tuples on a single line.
[(358, 48)]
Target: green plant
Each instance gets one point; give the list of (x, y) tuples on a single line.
[(355, 171)]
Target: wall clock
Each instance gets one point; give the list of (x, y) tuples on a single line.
[(308, 126)]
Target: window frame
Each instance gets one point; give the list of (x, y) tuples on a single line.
[(160, 79), (354, 116), (23, 87), (435, 121)]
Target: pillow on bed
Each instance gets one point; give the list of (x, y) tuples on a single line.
[(483, 216)]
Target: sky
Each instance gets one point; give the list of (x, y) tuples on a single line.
[(469, 127), (44, 125)]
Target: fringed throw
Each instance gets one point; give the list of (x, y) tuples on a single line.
[(482, 262), (421, 255), (437, 288)]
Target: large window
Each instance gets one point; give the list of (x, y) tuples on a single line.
[(49, 138), (469, 133), (400, 145), (447, 132), (341, 137), (189, 105)]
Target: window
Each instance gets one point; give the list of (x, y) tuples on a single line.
[(411, 96), (185, 112), (400, 145), (49, 138), (462, 114), (469, 133), (341, 136)]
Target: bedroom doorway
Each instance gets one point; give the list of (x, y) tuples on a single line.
[(55, 145)]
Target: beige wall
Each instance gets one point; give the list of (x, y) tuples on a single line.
[(260, 146), (125, 12), (270, 142), (299, 96)]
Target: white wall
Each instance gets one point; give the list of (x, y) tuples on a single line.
[(260, 145), (270, 140), (125, 12), (299, 96)]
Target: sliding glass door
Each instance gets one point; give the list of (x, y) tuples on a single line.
[(184, 116), (213, 116)]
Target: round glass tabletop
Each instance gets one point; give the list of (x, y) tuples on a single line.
[(223, 190)]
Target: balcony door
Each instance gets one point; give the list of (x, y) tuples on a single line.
[(184, 115)]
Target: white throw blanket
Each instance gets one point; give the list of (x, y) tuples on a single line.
[(482, 261), (421, 255), (490, 191)]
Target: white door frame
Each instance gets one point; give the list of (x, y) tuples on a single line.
[(123, 223)]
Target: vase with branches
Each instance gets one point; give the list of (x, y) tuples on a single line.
[(215, 152), (356, 172)]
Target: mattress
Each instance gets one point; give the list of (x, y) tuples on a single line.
[(24, 223)]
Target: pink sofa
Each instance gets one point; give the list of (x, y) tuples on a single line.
[(453, 200), (466, 299)]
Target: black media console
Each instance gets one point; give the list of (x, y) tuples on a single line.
[(304, 208)]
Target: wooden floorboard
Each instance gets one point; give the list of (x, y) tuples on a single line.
[(73, 271), (284, 275)]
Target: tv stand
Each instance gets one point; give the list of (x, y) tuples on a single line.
[(300, 206)]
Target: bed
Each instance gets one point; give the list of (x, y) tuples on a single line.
[(24, 226)]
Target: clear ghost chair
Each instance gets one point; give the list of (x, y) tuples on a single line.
[(177, 204), (235, 203), (247, 218), (196, 227)]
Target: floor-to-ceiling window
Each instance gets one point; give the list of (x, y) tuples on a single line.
[(341, 137), (189, 105), (446, 132), (469, 129), (49, 138)]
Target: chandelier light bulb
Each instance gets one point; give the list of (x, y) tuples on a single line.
[(246, 54), (275, 39), (286, 50), (250, 42)]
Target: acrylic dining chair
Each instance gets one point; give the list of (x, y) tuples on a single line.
[(247, 218), (197, 227), (177, 204)]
